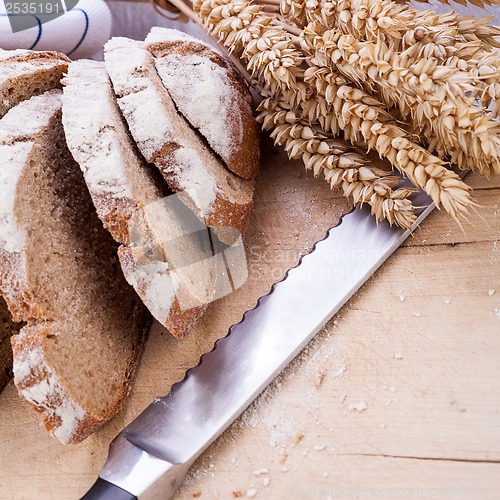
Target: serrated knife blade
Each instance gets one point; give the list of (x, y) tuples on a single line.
[(150, 457)]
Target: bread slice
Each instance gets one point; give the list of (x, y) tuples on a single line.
[(75, 359), (128, 194), (220, 198), (7, 329), (211, 95), (26, 73)]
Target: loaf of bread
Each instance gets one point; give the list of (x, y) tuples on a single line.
[(75, 358), (219, 197), (25, 73), (129, 197), (7, 329), (148, 179), (211, 95)]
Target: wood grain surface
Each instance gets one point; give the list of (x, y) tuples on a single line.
[(398, 396)]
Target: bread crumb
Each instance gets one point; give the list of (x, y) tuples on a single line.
[(447, 300), (319, 447), (326, 474), (491, 292), (359, 407), (251, 493), (383, 425), (197, 494), (402, 298), (237, 494), (398, 355), (283, 458), (266, 481), (284, 469), (259, 472), (298, 437), (318, 379), (417, 315)]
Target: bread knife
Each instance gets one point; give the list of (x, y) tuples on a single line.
[(150, 457)]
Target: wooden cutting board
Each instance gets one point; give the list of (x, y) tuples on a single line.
[(398, 396), (292, 211)]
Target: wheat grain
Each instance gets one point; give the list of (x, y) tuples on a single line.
[(398, 25)]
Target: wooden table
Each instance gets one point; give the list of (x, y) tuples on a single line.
[(398, 396)]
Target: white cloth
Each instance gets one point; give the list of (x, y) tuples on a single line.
[(135, 19), (81, 32)]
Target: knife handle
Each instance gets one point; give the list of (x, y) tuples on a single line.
[(104, 490)]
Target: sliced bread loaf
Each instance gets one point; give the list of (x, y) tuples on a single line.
[(7, 329), (219, 197), (211, 95), (75, 358), (128, 194), (25, 73)]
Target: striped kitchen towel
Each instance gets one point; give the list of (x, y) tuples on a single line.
[(79, 32)]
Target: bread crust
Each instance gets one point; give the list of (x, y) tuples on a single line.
[(178, 320), (34, 371), (216, 195), (7, 328), (25, 73), (120, 196), (244, 157), (15, 290)]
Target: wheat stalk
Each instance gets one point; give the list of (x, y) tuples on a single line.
[(272, 56), (340, 164)]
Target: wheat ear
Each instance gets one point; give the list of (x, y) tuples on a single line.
[(431, 94), (453, 40), (363, 118), (398, 25), (478, 3), (340, 164)]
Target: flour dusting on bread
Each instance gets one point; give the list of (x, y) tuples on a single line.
[(75, 357), (160, 132), (39, 385), (208, 100), (211, 95), (25, 73), (195, 180), (12, 237), (102, 161)]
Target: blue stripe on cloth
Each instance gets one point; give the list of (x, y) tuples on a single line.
[(39, 27), (87, 23)]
